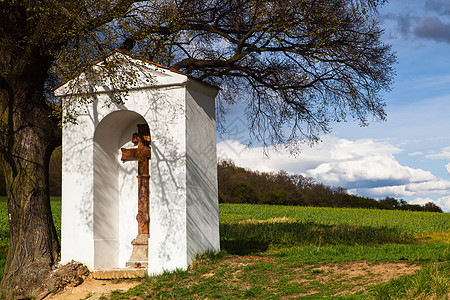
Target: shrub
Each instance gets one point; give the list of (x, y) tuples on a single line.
[(245, 192), (276, 197)]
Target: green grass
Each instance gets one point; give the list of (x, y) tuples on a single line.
[(432, 282), (275, 252), (265, 277), (405, 221), (272, 252), (258, 236)]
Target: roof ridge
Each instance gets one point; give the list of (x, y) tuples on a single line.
[(134, 56)]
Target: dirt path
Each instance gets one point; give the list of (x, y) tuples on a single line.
[(92, 289)]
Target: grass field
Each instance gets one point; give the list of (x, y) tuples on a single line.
[(279, 252)]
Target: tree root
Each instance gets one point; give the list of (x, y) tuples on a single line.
[(71, 274)]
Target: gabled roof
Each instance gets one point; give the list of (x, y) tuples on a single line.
[(132, 56), (147, 61)]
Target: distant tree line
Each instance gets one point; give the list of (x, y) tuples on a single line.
[(240, 185)]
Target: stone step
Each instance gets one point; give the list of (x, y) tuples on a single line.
[(119, 273)]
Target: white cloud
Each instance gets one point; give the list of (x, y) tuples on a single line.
[(421, 201), (415, 153), (443, 202), (447, 166), (437, 186), (364, 166), (443, 154), (391, 191)]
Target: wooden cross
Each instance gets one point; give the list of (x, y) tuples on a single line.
[(142, 153)]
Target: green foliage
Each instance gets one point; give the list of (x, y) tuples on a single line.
[(430, 206), (276, 197), (245, 192)]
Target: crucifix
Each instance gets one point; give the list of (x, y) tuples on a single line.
[(139, 256)]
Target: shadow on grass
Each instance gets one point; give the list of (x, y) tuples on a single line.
[(250, 237), (243, 247)]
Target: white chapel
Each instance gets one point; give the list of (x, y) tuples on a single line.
[(103, 186)]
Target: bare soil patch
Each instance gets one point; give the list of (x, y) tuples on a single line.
[(374, 273), (248, 260), (93, 289), (357, 276)]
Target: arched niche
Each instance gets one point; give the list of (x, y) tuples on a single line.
[(114, 190)]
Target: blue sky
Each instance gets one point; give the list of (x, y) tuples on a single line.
[(408, 156)]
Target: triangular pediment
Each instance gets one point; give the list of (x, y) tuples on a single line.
[(121, 71)]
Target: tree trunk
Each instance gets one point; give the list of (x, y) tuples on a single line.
[(28, 139)]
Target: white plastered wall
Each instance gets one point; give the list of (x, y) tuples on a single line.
[(100, 192), (201, 163)]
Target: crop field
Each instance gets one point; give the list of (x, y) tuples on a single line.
[(281, 252), (405, 221)]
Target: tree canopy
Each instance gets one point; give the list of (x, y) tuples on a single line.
[(297, 66)]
